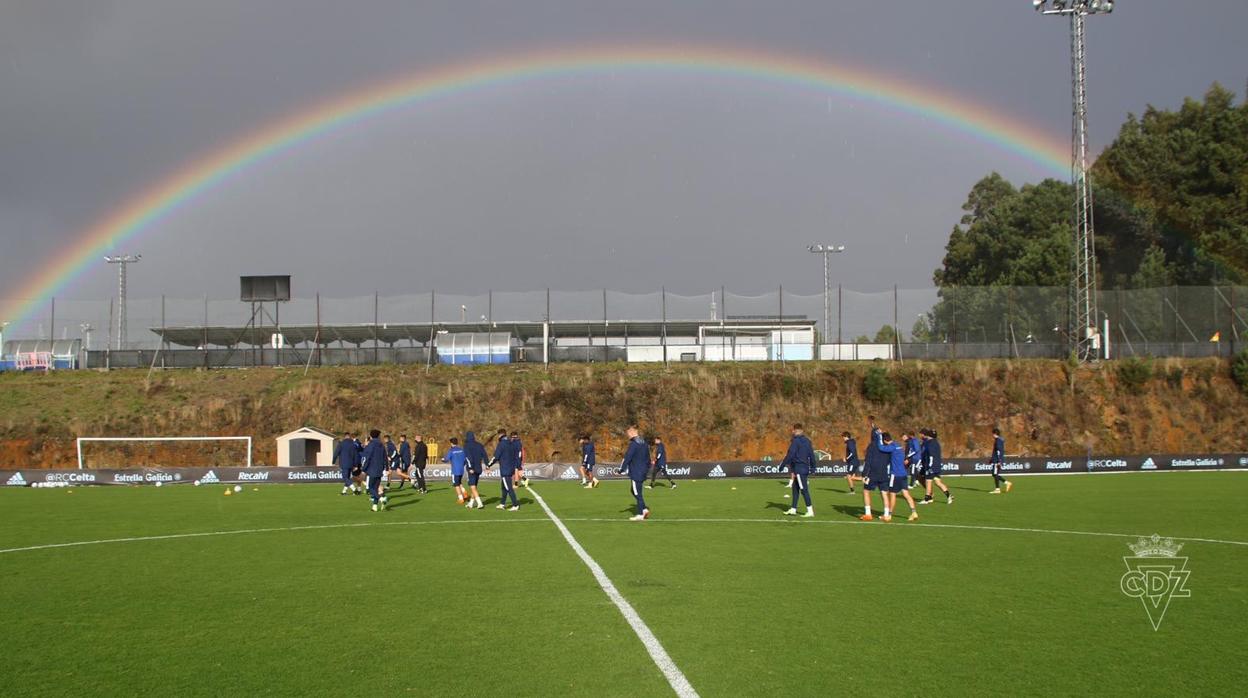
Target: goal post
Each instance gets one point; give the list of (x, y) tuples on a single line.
[(139, 439)]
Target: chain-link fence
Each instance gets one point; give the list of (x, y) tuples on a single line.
[(934, 323)]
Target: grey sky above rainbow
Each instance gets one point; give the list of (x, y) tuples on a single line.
[(552, 147)]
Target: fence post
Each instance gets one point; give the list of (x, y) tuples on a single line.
[(780, 319), (896, 328), (1175, 306), (164, 344), (432, 322), (108, 350), (204, 345), (316, 338), (1234, 331), (376, 321), (663, 338), (723, 317), (953, 324)]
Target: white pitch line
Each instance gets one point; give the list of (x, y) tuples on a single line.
[(236, 532), (675, 677), (787, 522), (790, 522)]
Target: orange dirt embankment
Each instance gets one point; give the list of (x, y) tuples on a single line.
[(704, 411)]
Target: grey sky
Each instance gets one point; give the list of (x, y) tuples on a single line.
[(627, 181)]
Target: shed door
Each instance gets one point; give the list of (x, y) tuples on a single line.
[(297, 453), (312, 452)]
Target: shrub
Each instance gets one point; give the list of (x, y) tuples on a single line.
[(1134, 374), (1239, 370), (876, 386), (788, 387)]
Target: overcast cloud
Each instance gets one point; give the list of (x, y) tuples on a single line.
[(625, 181)]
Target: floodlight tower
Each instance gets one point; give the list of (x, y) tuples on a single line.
[(1084, 338), (826, 250), (122, 261)]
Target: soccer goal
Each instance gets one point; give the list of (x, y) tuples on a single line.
[(123, 449)]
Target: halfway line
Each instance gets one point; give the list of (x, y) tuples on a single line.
[(674, 676)]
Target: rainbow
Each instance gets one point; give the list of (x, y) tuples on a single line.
[(948, 110)]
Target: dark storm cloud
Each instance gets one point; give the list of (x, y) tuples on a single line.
[(629, 181)]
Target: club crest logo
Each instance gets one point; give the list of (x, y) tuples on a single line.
[(1155, 575)]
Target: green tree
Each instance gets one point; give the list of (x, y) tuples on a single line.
[(1006, 263), (1153, 271), (1185, 175), (886, 335), (922, 330)]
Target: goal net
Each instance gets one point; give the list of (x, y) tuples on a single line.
[(163, 451)]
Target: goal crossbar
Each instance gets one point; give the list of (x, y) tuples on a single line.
[(85, 439)]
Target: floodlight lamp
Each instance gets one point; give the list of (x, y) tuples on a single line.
[(1037, 4), (815, 248)]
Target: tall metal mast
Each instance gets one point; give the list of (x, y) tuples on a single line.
[(122, 261), (1085, 340)]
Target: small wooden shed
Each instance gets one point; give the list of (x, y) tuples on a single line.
[(305, 446)]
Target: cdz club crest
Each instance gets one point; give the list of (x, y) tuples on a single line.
[(1155, 574)]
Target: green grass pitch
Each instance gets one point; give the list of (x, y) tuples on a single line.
[(323, 597)]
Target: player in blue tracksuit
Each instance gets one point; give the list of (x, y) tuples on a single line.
[(932, 465), (456, 457), (588, 461), (998, 460), (897, 477), (474, 454), (852, 465), (658, 464), (875, 471), (374, 467), (914, 452), (400, 461), (505, 458), (636, 465), (517, 449), (358, 475), (801, 460), (347, 456)]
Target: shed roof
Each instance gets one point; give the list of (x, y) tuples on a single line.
[(305, 429)]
